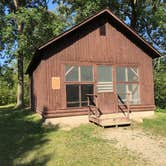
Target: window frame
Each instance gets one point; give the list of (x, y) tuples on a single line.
[(79, 83), (79, 73), (105, 82), (130, 82)]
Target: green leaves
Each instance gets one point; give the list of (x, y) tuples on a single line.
[(37, 26), (160, 83), (24, 25), (147, 17)]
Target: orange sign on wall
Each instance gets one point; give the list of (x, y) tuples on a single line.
[(55, 82)]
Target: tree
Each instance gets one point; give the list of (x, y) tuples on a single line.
[(7, 83), (25, 24), (160, 82), (147, 17)]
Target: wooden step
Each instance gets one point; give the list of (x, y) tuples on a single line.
[(110, 121)]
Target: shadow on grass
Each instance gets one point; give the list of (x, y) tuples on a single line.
[(20, 132)]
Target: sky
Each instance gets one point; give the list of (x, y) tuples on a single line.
[(51, 6)]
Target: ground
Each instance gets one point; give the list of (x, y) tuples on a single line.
[(25, 141), (149, 147)]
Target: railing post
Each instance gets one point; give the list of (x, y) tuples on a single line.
[(128, 104), (88, 106), (88, 101)]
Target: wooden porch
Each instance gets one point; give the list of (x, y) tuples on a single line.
[(114, 119)]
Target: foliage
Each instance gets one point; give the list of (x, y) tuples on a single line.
[(7, 84), (24, 26), (160, 83), (39, 25), (24, 141), (146, 17)]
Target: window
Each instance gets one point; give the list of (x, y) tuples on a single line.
[(78, 73), (79, 82), (72, 98), (104, 81), (71, 73), (128, 83), (127, 74)]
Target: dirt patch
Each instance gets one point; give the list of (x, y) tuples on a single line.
[(67, 123), (148, 147)]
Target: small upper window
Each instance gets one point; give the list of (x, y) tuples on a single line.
[(78, 73)]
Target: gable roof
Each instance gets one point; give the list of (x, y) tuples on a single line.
[(36, 58)]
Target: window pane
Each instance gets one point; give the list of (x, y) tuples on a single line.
[(104, 73), (73, 104), (133, 89), (71, 73), (86, 73), (132, 74), (126, 74), (121, 91), (72, 95), (85, 89), (120, 74)]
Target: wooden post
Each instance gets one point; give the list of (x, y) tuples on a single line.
[(88, 106), (128, 104)]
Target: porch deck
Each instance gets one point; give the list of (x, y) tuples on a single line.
[(114, 119), (109, 120)]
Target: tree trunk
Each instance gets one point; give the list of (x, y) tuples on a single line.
[(20, 88), (20, 66), (133, 14)]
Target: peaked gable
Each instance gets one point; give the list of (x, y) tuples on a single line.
[(113, 20)]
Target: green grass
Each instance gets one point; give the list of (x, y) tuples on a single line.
[(157, 125), (25, 142)]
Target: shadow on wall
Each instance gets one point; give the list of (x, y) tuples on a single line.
[(22, 132)]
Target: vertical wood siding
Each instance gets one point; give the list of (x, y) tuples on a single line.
[(114, 48)]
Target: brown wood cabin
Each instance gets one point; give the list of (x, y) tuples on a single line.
[(100, 56)]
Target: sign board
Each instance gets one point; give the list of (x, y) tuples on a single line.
[(55, 82)]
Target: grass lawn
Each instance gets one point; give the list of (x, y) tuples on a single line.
[(24, 141), (157, 125)]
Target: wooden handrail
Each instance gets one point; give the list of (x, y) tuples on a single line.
[(94, 104), (127, 104)]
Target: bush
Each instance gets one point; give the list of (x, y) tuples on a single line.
[(160, 85)]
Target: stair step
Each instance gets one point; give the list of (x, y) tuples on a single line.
[(110, 121)]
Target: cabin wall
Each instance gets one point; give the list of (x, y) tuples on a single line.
[(39, 95), (113, 48)]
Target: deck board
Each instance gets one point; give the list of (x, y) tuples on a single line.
[(110, 121)]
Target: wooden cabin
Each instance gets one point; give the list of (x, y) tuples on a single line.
[(99, 67)]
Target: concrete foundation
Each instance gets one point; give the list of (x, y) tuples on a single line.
[(67, 123)]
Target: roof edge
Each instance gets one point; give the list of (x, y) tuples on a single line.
[(90, 18)]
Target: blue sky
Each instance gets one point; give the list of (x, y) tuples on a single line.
[(51, 6)]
